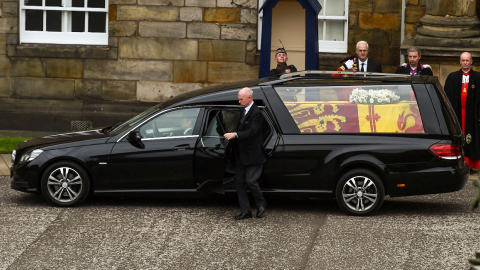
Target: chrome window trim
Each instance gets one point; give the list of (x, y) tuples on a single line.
[(172, 137)]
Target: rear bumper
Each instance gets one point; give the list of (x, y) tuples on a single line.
[(431, 179)]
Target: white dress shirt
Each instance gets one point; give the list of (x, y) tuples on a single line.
[(248, 108)]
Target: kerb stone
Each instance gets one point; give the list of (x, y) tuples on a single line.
[(121, 69), (65, 68), (147, 13), (148, 48), (238, 32), (44, 88), (119, 90), (149, 91), (163, 29), (203, 30), (190, 71), (225, 72)]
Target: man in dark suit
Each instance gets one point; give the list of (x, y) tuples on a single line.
[(249, 155), (361, 63)]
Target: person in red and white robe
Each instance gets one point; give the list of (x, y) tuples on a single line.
[(462, 88)]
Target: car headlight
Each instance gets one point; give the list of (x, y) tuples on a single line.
[(29, 156), (14, 154)]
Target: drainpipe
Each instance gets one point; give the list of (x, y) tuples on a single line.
[(402, 31)]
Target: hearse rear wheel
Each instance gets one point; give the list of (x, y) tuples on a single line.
[(360, 192)]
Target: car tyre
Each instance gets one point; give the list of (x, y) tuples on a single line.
[(65, 184), (360, 192)]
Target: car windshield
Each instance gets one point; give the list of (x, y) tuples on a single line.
[(120, 127)]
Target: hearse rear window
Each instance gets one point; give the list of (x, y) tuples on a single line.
[(353, 109)]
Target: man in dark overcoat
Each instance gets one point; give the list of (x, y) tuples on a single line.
[(462, 88), (249, 155)]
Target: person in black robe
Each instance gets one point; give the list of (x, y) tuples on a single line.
[(413, 66), (282, 66), (461, 88)]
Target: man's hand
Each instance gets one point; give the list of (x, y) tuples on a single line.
[(353, 69), (229, 136), (287, 71)]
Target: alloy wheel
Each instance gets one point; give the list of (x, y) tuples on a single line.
[(359, 193), (64, 184)]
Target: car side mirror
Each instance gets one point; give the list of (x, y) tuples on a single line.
[(134, 136)]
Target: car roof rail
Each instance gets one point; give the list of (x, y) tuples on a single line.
[(323, 72)]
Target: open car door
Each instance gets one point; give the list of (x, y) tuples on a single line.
[(212, 163)]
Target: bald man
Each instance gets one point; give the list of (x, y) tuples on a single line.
[(249, 155), (462, 88)]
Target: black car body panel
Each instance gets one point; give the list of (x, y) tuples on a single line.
[(299, 163)]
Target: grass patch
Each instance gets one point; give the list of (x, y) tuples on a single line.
[(7, 144)]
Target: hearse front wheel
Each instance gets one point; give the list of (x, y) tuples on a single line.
[(360, 192), (65, 184)]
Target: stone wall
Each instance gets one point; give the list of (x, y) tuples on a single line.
[(157, 49), (379, 23)]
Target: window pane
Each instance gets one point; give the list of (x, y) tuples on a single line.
[(54, 21), (334, 30), (76, 19), (78, 3), (353, 109), (33, 2), (176, 123), (320, 29), (97, 22), (34, 20), (335, 8), (53, 3), (96, 3)]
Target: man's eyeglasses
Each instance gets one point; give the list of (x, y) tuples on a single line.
[(363, 50)]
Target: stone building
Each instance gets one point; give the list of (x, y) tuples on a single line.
[(106, 60)]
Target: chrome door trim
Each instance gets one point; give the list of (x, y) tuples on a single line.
[(173, 137)]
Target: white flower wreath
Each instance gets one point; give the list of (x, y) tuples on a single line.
[(373, 97)]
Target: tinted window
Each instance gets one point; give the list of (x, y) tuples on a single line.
[(357, 109), (175, 123)]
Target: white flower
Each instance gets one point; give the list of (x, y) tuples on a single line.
[(371, 100)]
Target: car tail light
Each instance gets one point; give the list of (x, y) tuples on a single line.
[(446, 151)]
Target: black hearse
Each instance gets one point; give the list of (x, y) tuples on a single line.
[(355, 138)]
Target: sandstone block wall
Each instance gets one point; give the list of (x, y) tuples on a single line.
[(157, 49)]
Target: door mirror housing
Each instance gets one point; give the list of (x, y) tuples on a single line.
[(134, 136)]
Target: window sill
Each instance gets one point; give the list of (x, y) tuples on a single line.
[(62, 51)]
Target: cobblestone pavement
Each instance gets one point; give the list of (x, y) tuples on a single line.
[(422, 232)]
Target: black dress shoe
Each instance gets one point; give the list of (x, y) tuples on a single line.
[(261, 211), (243, 216)]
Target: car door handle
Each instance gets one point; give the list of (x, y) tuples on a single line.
[(182, 147)]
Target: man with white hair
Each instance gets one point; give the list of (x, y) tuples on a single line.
[(360, 62), (249, 155)]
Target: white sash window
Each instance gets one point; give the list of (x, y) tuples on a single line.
[(82, 22), (333, 26)]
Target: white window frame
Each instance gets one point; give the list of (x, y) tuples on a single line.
[(323, 45), (63, 37), (333, 46)]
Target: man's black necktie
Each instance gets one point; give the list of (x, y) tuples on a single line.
[(362, 69)]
